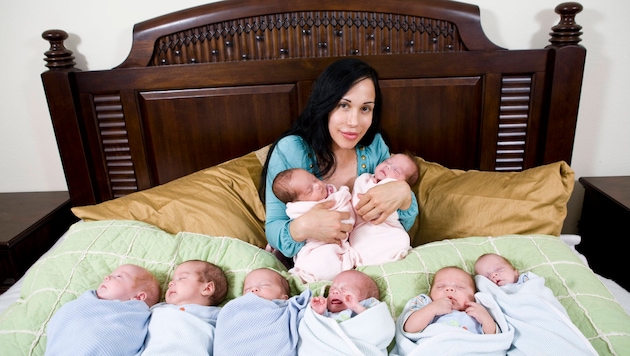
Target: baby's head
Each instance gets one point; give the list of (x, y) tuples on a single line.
[(197, 282), (129, 282), (266, 283), (350, 282), (297, 184), (453, 283), (400, 166), (496, 268)]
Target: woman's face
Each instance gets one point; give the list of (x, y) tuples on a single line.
[(352, 117)]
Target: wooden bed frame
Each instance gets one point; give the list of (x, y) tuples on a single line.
[(214, 82)]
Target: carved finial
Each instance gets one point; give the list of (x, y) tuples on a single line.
[(58, 56), (566, 32)]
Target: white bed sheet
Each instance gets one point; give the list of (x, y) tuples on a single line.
[(622, 295), (13, 294)]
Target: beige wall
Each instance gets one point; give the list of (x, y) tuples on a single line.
[(100, 36)]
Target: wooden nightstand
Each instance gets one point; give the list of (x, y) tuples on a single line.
[(30, 223), (606, 218)]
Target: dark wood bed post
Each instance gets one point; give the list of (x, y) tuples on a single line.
[(567, 78), (60, 94)]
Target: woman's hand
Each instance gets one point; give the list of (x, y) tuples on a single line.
[(382, 200), (321, 224)]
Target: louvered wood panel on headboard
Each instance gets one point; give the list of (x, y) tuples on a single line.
[(514, 117), (115, 144)]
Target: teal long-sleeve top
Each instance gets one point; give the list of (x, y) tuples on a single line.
[(294, 152)]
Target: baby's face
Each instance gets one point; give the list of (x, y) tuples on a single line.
[(455, 284), (308, 187), (265, 283), (186, 287), (120, 284), (398, 167), (344, 283), (496, 269)]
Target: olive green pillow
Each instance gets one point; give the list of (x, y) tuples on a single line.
[(455, 203), (218, 201)]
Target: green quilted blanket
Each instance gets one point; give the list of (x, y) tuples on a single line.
[(92, 249)]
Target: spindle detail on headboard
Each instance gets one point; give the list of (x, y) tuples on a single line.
[(305, 35), (567, 31), (58, 56)]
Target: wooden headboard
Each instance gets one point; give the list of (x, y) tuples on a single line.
[(214, 82)]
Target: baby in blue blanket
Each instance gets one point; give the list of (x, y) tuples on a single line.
[(111, 320), (185, 324), (265, 313), (451, 301), (453, 319)]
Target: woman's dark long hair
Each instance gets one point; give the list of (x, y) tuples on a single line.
[(312, 124)]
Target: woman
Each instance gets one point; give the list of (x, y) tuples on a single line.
[(336, 138)]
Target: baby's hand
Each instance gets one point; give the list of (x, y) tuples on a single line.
[(422, 317), (318, 304), (441, 306), (481, 314), (352, 302)]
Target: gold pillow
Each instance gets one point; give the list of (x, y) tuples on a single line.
[(217, 201), (455, 203)]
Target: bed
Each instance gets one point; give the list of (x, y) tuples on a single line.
[(163, 154)]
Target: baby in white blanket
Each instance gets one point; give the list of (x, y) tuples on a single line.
[(540, 322), (350, 320), (452, 320), (451, 301), (185, 324), (351, 293)]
